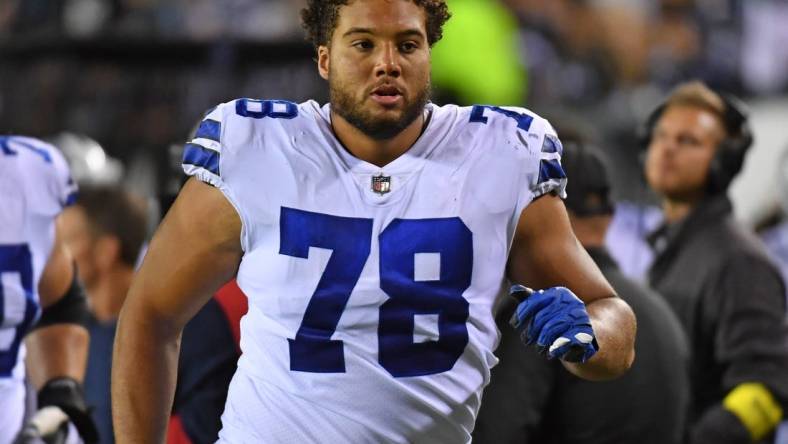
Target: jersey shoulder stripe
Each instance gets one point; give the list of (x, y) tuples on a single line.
[(202, 154), (209, 129)]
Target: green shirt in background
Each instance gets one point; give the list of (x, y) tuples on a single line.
[(478, 61)]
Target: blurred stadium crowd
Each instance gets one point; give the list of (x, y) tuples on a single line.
[(135, 74), (128, 79)]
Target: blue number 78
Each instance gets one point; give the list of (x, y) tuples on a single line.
[(313, 350)]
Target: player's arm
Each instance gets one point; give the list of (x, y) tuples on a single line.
[(57, 348), (545, 253), (195, 250)]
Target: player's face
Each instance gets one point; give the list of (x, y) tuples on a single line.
[(80, 242), (378, 65), (682, 146)]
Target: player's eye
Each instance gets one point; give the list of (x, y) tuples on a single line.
[(688, 140), (408, 47), (363, 45)]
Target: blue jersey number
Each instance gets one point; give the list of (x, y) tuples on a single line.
[(260, 109), (447, 240), (15, 259), (451, 241), (6, 149), (312, 350), (523, 120)]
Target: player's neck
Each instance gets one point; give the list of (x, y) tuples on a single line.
[(108, 293), (376, 152), (675, 210)]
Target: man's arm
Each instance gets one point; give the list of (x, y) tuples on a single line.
[(195, 250), (59, 349), (545, 253)]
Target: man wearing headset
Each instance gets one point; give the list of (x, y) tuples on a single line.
[(713, 272)]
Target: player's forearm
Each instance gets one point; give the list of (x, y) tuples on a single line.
[(46, 357), (614, 328), (144, 371)]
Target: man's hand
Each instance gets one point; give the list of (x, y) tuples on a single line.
[(556, 320)]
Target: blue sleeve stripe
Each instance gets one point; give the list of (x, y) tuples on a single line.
[(71, 199), (209, 129), (552, 145), (550, 169), (201, 157)]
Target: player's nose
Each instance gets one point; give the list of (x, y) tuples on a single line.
[(388, 63)]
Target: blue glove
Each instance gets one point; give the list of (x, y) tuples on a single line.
[(556, 320)]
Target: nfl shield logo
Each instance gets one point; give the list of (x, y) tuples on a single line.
[(381, 184)]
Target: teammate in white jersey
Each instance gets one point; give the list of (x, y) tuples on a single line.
[(373, 237), (42, 309)]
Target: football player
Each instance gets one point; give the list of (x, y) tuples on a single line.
[(42, 308), (373, 237)]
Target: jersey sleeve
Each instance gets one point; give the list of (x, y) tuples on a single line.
[(551, 177), (542, 172), (202, 154), (213, 156)]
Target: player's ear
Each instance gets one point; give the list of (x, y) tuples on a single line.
[(323, 61)]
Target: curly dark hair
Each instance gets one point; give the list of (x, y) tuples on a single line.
[(319, 19)]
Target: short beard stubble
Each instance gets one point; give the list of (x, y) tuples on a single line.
[(343, 102)]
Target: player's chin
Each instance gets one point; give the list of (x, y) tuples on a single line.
[(674, 191), (662, 188), (385, 113), (663, 183)]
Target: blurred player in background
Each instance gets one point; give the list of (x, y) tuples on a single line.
[(534, 401), (42, 308), (373, 237), (104, 230), (714, 273)]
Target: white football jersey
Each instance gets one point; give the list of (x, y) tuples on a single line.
[(35, 186), (371, 290)]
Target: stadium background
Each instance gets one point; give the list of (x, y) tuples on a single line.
[(135, 75)]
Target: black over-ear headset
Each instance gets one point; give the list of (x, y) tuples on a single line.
[(729, 158)]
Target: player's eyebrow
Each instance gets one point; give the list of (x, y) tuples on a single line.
[(357, 31), (406, 33)]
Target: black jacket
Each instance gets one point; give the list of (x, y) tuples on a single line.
[(730, 299), (533, 400)]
